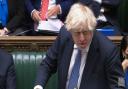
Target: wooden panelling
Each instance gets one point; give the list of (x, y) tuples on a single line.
[(29, 43), (35, 43)]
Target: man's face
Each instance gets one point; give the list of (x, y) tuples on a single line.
[(82, 38)]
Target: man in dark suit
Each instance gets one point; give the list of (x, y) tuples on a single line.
[(7, 71), (33, 7), (14, 18), (57, 8), (106, 13), (100, 66)]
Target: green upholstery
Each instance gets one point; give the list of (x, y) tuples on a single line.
[(26, 64)]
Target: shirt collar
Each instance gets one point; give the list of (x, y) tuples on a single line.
[(83, 50)]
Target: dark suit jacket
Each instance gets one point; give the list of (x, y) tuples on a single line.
[(93, 5), (110, 5), (7, 71), (102, 68), (65, 6), (15, 14), (35, 4)]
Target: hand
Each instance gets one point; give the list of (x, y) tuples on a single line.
[(125, 64), (2, 32), (36, 16), (38, 87), (53, 11)]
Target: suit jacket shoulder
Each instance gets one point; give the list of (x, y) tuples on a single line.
[(5, 59), (7, 71)]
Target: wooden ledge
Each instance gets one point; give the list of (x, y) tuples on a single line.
[(35, 43), (26, 43)]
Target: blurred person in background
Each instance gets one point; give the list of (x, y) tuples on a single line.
[(11, 17), (106, 13), (124, 58), (57, 9), (7, 71)]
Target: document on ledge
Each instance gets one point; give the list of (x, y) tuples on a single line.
[(51, 25)]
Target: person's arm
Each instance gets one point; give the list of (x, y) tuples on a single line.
[(34, 14), (110, 3), (38, 87), (48, 65), (114, 70), (54, 11), (16, 20), (95, 5), (11, 75), (4, 31), (65, 7), (29, 6)]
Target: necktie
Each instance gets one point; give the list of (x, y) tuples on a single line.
[(75, 72), (44, 9)]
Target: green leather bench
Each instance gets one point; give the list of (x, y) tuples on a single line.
[(26, 64), (28, 52)]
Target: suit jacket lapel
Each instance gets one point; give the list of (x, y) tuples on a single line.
[(90, 62), (68, 49)]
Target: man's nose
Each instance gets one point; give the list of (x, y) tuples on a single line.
[(82, 37)]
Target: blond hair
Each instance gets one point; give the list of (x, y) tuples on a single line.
[(80, 17)]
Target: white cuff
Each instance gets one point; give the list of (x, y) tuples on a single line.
[(102, 10), (38, 87), (60, 9), (33, 11), (99, 1), (6, 30)]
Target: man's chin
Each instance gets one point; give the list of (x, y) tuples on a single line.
[(82, 46)]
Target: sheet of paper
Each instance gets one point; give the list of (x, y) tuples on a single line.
[(52, 25)]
